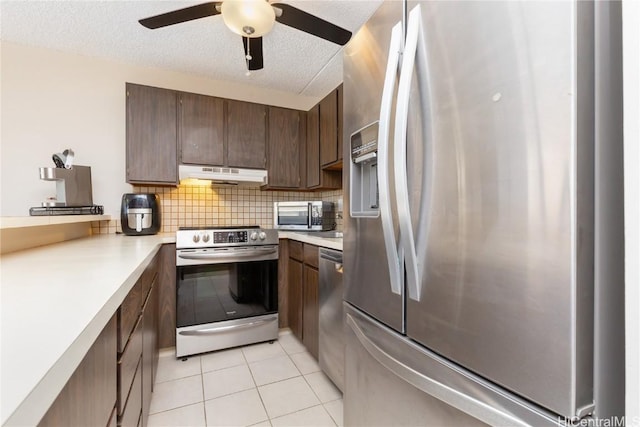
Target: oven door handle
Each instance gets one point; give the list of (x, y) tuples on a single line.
[(229, 254), (220, 329)]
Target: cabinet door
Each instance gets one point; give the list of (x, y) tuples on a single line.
[(295, 297), (283, 283), (151, 135), (201, 129), (246, 134), (329, 129), (285, 139), (340, 128), (89, 396), (149, 350), (310, 310), (319, 145), (313, 147), (167, 296)]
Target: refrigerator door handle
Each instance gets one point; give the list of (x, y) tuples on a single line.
[(386, 219), (443, 392), (414, 279)]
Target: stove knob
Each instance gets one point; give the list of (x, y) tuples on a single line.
[(254, 236), (262, 235), (205, 238), (196, 238)]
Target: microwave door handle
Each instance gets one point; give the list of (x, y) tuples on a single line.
[(394, 255), (309, 213)]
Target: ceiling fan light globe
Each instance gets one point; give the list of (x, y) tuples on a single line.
[(248, 18)]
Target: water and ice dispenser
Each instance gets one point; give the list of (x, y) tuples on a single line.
[(364, 197)]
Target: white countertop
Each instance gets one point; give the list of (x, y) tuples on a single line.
[(56, 300), (331, 243)]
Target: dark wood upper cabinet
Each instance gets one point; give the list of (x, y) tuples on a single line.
[(201, 129), (316, 176), (313, 147), (329, 129), (151, 135), (285, 138), (246, 134), (340, 125)]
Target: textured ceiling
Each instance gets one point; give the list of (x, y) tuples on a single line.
[(294, 61)]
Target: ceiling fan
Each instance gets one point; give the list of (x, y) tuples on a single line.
[(252, 19)]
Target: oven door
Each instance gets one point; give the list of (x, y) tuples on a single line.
[(225, 297)]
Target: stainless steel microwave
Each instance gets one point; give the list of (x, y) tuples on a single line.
[(304, 215)]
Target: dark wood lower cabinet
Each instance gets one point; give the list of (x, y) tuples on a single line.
[(283, 280), (167, 296), (89, 397), (149, 350), (139, 360), (127, 366), (113, 420), (133, 406), (310, 310), (302, 293), (112, 385), (295, 297)]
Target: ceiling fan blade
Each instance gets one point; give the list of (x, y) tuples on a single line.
[(181, 15), (308, 23), (253, 47)]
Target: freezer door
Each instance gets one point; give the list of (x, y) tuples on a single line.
[(372, 268), (500, 190), (391, 381)]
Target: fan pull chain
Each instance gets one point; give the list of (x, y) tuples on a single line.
[(248, 56)]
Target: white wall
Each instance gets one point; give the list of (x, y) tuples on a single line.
[(631, 54), (53, 100)]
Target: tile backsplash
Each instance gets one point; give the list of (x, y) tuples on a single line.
[(196, 205)]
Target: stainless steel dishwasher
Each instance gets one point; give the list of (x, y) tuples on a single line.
[(331, 335)]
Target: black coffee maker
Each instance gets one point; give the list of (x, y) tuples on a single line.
[(140, 214)]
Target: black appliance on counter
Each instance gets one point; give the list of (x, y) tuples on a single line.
[(140, 214)]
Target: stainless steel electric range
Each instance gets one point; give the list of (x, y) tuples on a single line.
[(226, 287)]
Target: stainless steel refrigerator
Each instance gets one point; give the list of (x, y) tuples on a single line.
[(470, 213)]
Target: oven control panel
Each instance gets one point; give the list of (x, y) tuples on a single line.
[(209, 238), (230, 237)]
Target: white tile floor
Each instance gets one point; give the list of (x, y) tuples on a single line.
[(277, 384)]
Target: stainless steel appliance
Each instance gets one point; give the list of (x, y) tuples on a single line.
[(73, 186), (331, 316), (469, 253), (304, 215), (140, 214), (226, 287), (219, 175)]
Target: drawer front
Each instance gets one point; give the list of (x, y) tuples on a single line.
[(128, 364), (133, 408), (113, 419), (311, 255), (128, 315), (148, 277), (295, 250)]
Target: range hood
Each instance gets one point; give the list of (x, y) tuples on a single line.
[(223, 175)]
